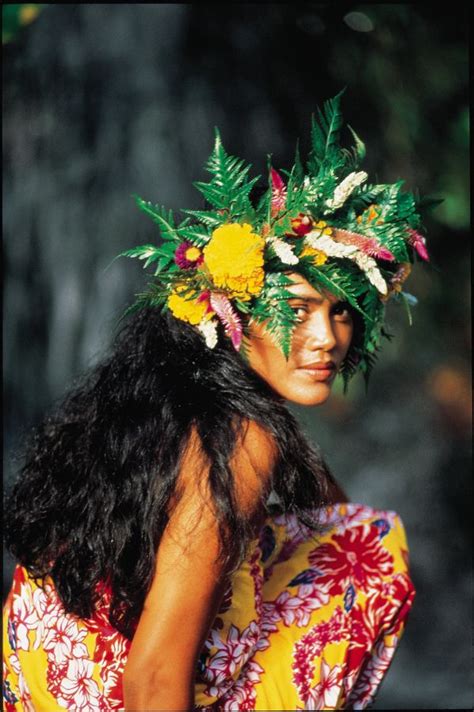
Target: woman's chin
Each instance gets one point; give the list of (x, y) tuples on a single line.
[(316, 394)]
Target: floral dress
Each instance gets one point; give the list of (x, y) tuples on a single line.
[(305, 625)]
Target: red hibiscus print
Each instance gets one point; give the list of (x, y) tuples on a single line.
[(357, 556)]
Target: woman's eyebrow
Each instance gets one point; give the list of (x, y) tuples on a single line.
[(305, 298)]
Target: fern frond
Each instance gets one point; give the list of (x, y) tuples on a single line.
[(154, 297), (272, 309), (279, 320), (162, 217), (197, 234), (210, 218), (359, 146), (336, 280), (230, 187), (325, 132), (365, 195)]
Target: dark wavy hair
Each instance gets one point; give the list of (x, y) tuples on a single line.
[(93, 494)]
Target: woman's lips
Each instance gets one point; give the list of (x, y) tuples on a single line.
[(320, 371)]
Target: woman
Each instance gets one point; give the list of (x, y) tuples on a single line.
[(185, 546)]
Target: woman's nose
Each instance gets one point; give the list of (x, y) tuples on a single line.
[(321, 331)]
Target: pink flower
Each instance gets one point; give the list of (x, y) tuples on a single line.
[(267, 627), (228, 317), (278, 200), (367, 245), (284, 608), (294, 609), (79, 687), (418, 243), (309, 649), (340, 518)]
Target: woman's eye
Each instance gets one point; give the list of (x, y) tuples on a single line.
[(342, 311), (300, 310)]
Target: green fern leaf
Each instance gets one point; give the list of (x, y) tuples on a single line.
[(279, 320), (359, 146), (197, 234), (150, 254), (162, 217), (325, 132), (230, 187), (142, 252), (271, 308), (341, 285), (364, 195), (209, 218), (154, 298), (296, 175)]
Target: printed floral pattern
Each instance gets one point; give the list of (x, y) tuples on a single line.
[(306, 624), (353, 556)]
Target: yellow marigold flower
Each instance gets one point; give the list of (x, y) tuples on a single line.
[(186, 309), (234, 258), (319, 257)]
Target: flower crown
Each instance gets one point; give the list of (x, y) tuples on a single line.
[(222, 268)]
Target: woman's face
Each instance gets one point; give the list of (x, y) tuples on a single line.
[(320, 341)]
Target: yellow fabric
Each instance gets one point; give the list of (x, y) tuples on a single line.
[(285, 640)]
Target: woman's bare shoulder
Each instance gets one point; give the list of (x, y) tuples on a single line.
[(251, 465), (260, 447)]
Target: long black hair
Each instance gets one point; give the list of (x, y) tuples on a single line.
[(91, 502)]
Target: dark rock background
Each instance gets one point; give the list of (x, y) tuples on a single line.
[(102, 101)]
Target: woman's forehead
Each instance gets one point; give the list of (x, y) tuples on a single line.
[(302, 288)]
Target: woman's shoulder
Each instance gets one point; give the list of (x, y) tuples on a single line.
[(249, 467), (257, 445)]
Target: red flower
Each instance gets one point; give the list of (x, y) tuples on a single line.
[(356, 556), (302, 224)]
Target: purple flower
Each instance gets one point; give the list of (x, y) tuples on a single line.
[(188, 256)]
